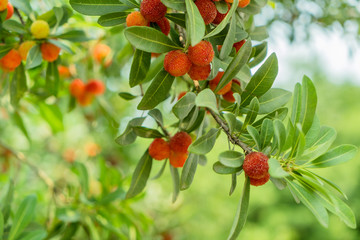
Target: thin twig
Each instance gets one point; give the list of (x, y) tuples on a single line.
[(233, 139), (19, 15), (41, 174), (164, 130), (141, 90)]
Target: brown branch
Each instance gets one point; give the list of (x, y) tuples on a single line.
[(41, 174), (19, 15), (232, 139)]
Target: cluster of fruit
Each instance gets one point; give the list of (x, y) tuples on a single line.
[(176, 150), (85, 92)]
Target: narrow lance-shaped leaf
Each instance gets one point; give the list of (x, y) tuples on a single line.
[(274, 99), (113, 19), (229, 40), (252, 114), (97, 8), (241, 213), (140, 175), (266, 133), (147, 132), (34, 57), (188, 171), (196, 23), (18, 85), (157, 91), (149, 40), (129, 135), (275, 169), (308, 104), (176, 182), (262, 80), (280, 134), (52, 78), (254, 135), (139, 67)]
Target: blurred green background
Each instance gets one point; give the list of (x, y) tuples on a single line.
[(205, 211)]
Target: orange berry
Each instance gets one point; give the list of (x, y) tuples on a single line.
[(177, 159), (159, 149), (213, 83), (199, 72), (207, 10), (25, 48), (256, 165), (155, 54), (220, 16), (95, 87), (201, 54), (49, 51), (85, 99), (238, 45), (164, 25), (10, 11), (64, 71), (3, 5), (11, 60), (229, 96), (243, 3), (92, 149), (180, 142), (77, 88), (181, 95), (153, 10), (261, 181), (69, 155), (177, 63), (101, 51), (136, 19)]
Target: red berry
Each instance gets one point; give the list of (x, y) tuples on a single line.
[(178, 159), (199, 72), (177, 63), (10, 11), (180, 142), (201, 54), (95, 87), (136, 19), (181, 95), (261, 181), (159, 149), (153, 10), (164, 25), (213, 84), (77, 87), (238, 45), (256, 165), (229, 96), (207, 10), (219, 16)]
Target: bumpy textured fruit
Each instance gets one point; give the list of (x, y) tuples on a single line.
[(77, 88), (25, 48), (136, 19), (164, 25), (229, 96), (3, 5), (220, 16), (95, 87), (181, 95), (256, 165), (101, 51), (10, 61), (238, 45), (213, 83), (180, 142), (177, 159), (199, 72), (10, 11), (153, 10), (40, 29), (201, 54), (261, 181), (207, 10), (159, 149), (177, 63), (64, 71), (49, 51)]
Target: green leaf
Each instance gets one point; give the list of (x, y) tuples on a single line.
[(157, 91), (23, 6), (313, 133), (280, 134), (176, 182), (225, 21), (334, 157), (52, 78), (262, 80), (156, 115), (266, 133), (272, 100), (38, 234), (275, 169), (139, 67), (241, 213), (231, 121), (14, 26), (235, 66), (83, 174), (233, 183), (308, 104), (188, 171), (175, 4), (61, 45), (21, 125), (129, 135), (178, 18), (196, 23), (259, 33), (112, 19), (205, 143), (74, 36), (147, 132), (254, 135), (206, 98), (131, 3), (193, 121), (18, 85), (252, 114), (140, 175), (23, 216), (158, 175), (53, 116), (221, 7), (5, 49), (1, 225), (34, 58), (260, 54), (219, 168), (229, 40), (183, 106), (127, 96), (6, 202), (231, 159), (149, 40), (97, 8), (311, 202)]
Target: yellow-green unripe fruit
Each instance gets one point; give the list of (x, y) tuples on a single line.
[(40, 29)]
